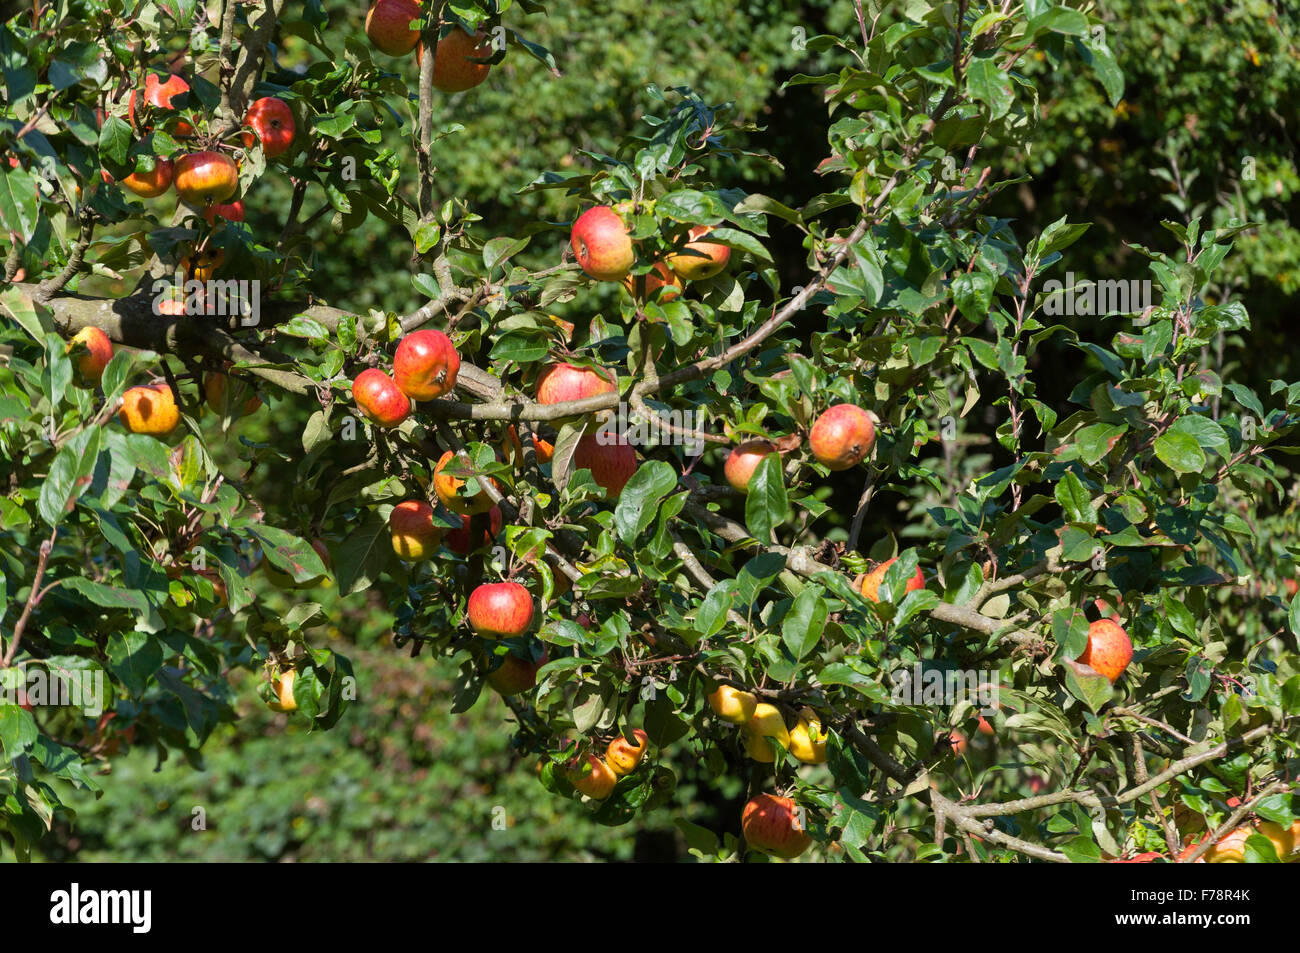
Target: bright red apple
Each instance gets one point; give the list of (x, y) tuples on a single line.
[(99, 351), (425, 365), (771, 825), (379, 398), (159, 93), (204, 178), (455, 62), (842, 436), (458, 540), (271, 120), (601, 244), (743, 461), (388, 24), (611, 463), (869, 585), (561, 383), (1109, 649), (230, 211), (500, 610)]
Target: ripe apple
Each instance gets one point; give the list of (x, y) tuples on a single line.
[(500, 610), (561, 383), (271, 120), (222, 399), (958, 742), (543, 449), (984, 727), (414, 535), (516, 675), (202, 265), (203, 178), (1291, 586), (1109, 649), (743, 461), (282, 686), (601, 244), (869, 584), (150, 185), (425, 365), (732, 704), (150, 410), (611, 464), (159, 93), (388, 24), (807, 739), (643, 287), (766, 722), (450, 490), (455, 66), (622, 756), (458, 540), (594, 778), (1229, 849), (842, 436), (230, 211), (699, 260), (771, 825), (99, 351), (379, 398)]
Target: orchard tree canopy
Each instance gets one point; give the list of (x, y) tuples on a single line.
[(849, 538)]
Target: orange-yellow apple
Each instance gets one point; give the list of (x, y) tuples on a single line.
[(1279, 836), (282, 688), (699, 259), (150, 410), (842, 436), (1229, 849), (771, 825), (743, 461), (500, 610), (869, 585), (602, 245), (622, 756), (425, 365), (1109, 649), (732, 704), (450, 490), (411, 527), (659, 279), (388, 24), (150, 185), (222, 398), (594, 778), (379, 398), (98, 352), (204, 178), (766, 722)]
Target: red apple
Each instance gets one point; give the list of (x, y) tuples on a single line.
[(412, 530), (231, 212), (425, 365), (458, 539), (99, 351), (455, 66), (159, 93), (271, 121), (842, 436), (869, 585), (1109, 649), (561, 383), (379, 398), (601, 244), (743, 461), (388, 24), (611, 464), (515, 675), (204, 178), (499, 610), (771, 825), (699, 260)]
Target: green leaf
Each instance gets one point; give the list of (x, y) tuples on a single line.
[(133, 658), (1180, 452), (802, 627), (69, 475), (639, 501), (17, 730), (767, 504), (1075, 499), (990, 84)]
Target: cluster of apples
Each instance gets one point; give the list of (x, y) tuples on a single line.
[(596, 777), (206, 178), (458, 59), (602, 246), (840, 438), (760, 721)]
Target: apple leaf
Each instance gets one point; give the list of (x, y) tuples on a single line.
[(639, 501), (766, 504)]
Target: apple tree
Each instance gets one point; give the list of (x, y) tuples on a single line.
[(619, 468)]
